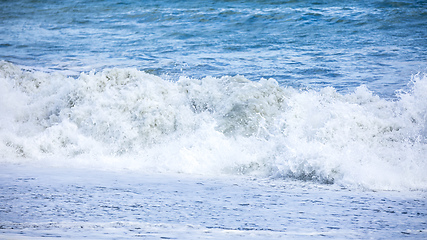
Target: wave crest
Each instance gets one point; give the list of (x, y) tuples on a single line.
[(128, 119)]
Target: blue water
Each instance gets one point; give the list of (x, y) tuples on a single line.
[(213, 119), (305, 44)]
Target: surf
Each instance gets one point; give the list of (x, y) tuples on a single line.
[(124, 118)]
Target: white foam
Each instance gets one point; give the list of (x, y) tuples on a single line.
[(128, 119)]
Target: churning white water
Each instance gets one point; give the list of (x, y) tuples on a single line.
[(128, 119)]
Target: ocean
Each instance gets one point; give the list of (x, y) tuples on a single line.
[(213, 120)]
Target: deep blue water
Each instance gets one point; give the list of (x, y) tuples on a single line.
[(306, 44)]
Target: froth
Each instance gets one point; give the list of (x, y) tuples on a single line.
[(128, 119)]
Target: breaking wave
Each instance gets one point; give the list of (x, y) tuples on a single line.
[(129, 119)]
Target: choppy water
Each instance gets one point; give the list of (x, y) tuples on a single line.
[(300, 43), (330, 95)]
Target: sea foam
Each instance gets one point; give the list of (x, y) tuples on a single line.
[(128, 119)]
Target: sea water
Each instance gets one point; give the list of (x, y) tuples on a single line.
[(214, 119)]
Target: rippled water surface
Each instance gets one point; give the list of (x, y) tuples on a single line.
[(102, 205), (299, 43)]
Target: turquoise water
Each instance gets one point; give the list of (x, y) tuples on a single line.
[(299, 43)]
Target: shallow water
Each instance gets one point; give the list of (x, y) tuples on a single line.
[(66, 203)]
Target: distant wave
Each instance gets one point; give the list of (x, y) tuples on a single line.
[(129, 119)]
